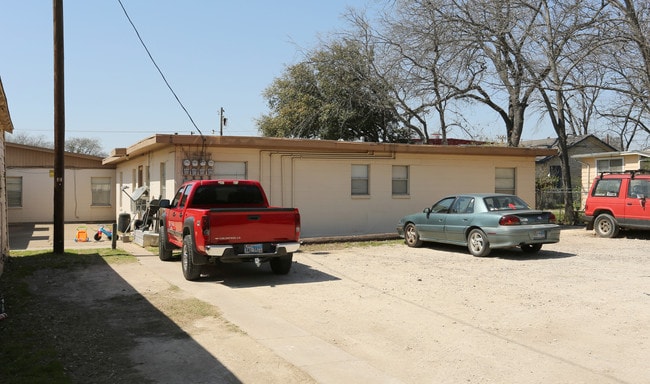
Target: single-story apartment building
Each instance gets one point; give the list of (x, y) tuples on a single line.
[(89, 186), (341, 188)]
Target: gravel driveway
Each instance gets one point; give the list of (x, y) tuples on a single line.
[(577, 312)]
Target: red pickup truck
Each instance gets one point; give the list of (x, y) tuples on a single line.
[(227, 221)]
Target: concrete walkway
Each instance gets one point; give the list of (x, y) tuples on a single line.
[(41, 236), (323, 361)]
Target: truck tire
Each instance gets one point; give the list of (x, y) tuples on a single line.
[(190, 271), (605, 226), (164, 249), (281, 265)]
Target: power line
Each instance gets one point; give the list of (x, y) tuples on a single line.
[(157, 67)]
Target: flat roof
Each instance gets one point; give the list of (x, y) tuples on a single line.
[(157, 142)]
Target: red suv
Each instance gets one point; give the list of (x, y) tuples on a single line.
[(618, 201)]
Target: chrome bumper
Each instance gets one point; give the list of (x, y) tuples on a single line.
[(280, 249)]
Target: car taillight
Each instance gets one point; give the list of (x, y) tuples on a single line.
[(297, 218), (551, 218), (205, 226), (509, 220)]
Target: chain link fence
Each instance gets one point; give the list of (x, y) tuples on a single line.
[(553, 199)]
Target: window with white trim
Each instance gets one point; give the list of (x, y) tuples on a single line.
[(163, 180), (609, 165), (229, 170), (14, 191), (504, 181), (360, 185), (400, 183), (101, 191)]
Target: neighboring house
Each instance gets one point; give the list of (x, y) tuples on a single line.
[(5, 126), (577, 145), (550, 166), (592, 164), (89, 186), (341, 188)]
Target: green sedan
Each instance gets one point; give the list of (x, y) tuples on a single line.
[(481, 222)]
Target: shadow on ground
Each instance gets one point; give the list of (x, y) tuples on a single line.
[(72, 318)]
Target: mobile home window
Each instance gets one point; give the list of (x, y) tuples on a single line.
[(360, 179), (14, 192), (400, 180), (505, 181), (609, 165), (229, 170), (101, 190)]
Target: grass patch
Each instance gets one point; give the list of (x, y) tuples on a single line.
[(31, 349)]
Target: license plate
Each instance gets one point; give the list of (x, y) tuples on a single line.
[(538, 235), (253, 248)]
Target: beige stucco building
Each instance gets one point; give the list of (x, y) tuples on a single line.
[(341, 188), (89, 186)]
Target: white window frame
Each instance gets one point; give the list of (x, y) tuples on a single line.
[(605, 165), (360, 180), (505, 180), (235, 170), (163, 180), (100, 188), (400, 180), (14, 191)]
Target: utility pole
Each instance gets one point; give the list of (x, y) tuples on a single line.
[(222, 121), (59, 130)]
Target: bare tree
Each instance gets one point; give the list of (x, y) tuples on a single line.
[(418, 59), (84, 146), (27, 139), (567, 38), (628, 67)]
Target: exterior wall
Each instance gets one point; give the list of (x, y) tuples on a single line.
[(38, 195), (126, 175), (319, 184), (322, 190)]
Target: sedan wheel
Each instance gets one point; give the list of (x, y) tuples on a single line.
[(411, 236), (477, 243)]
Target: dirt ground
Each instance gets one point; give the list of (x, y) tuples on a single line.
[(577, 312)]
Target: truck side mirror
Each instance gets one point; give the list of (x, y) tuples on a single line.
[(164, 203)]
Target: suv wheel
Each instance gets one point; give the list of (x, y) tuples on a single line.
[(605, 226)]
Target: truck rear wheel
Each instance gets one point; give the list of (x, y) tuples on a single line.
[(164, 249), (190, 271), (281, 265)]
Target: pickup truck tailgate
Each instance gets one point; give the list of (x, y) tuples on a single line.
[(243, 225)]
